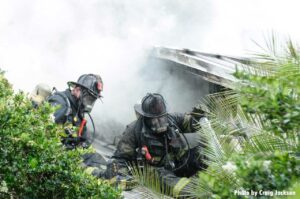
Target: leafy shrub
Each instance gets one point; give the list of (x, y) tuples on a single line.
[(264, 125), (272, 90), (33, 161), (276, 171), (277, 103)]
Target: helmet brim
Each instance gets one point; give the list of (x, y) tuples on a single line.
[(138, 108), (71, 83)]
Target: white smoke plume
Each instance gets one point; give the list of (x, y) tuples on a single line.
[(57, 41)]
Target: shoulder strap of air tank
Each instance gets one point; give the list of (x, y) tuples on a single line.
[(64, 96)]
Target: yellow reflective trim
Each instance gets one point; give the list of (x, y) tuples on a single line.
[(186, 123), (112, 181), (122, 184), (89, 170), (180, 185)]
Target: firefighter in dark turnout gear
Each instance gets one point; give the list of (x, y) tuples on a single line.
[(74, 103), (161, 140), (77, 99)]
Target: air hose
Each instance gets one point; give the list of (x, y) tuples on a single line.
[(189, 149), (94, 129)]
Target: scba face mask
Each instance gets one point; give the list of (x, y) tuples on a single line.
[(88, 101), (158, 124)]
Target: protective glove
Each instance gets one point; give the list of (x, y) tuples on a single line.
[(198, 112), (69, 132), (71, 140), (117, 177), (111, 170), (124, 182)]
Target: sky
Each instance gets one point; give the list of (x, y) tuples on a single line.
[(56, 41)]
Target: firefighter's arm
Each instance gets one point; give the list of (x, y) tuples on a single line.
[(183, 122), (126, 148), (126, 152), (189, 122), (117, 172)]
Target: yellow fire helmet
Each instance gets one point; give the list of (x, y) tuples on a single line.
[(40, 93)]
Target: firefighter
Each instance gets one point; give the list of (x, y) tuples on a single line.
[(74, 103), (159, 139), (78, 99)]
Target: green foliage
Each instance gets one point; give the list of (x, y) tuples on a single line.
[(252, 137), (277, 104), (276, 171), (4, 86), (272, 91), (33, 163)]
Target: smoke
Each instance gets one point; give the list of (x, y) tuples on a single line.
[(237, 24), (57, 41)]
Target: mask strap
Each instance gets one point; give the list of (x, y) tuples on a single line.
[(80, 102)]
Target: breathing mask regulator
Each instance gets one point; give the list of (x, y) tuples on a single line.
[(158, 124), (87, 101)]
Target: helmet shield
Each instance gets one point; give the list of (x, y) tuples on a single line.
[(157, 124)]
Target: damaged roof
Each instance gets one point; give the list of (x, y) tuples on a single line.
[(215, 68)]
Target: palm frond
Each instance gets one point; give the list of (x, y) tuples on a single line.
[(197, 189), (266, 142), (212, 147), (148, 178)]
